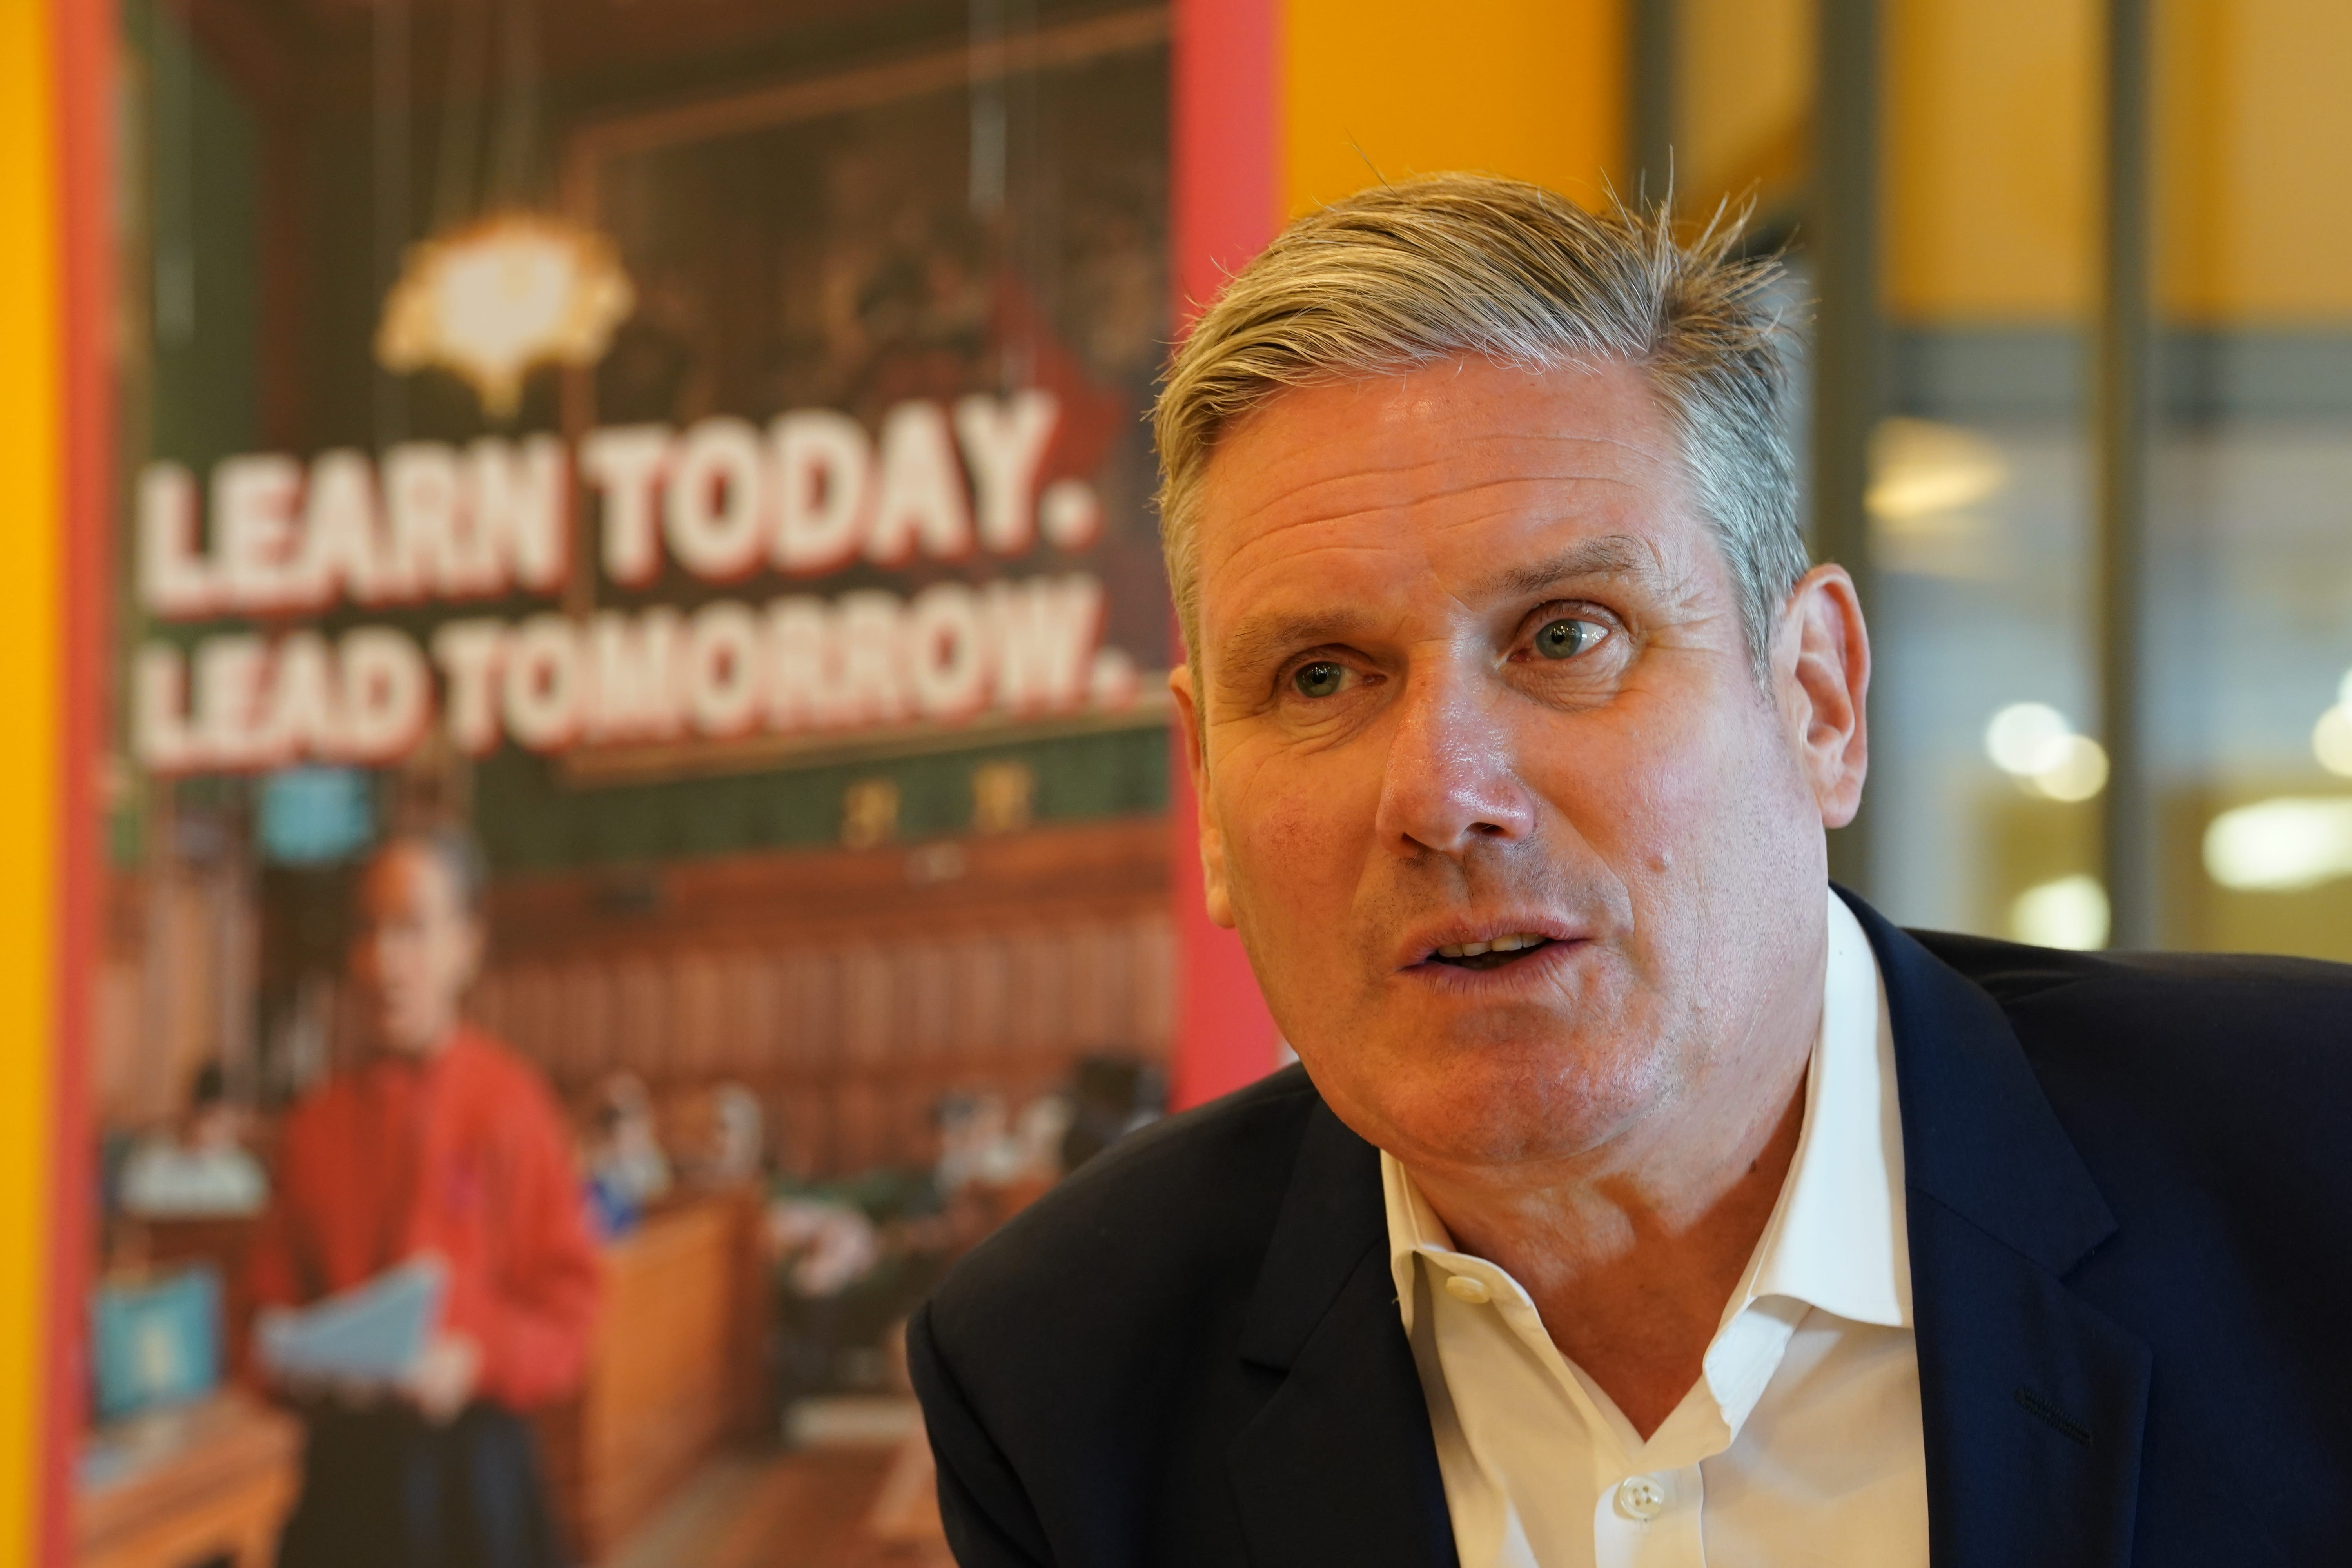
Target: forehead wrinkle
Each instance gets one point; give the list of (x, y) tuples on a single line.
[(1263, 633), (1609, 555), (1301, 490), (1387, 531)]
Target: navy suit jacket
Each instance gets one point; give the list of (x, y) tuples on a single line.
[(2130, 1209)]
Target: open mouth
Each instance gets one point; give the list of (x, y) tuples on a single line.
[(1492, 954)]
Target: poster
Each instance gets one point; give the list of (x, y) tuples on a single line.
[(681, 474)]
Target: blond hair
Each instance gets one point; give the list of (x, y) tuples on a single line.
[(1404, 275)]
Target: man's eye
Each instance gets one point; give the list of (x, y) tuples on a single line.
[(1568, 637), (1321, 678)]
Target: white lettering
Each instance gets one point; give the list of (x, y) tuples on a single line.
[(162, 737), (1044, 631), (947, 665), (340, 532), (802, 669), (173, 578), (467, 653), (521, 518), (253, 512), (718, 511), (723, 668), (868, 637), (302, 717), (824, 467), (921, 500), (626, 464), (541, 683), (228, 676), (387, 695), (426, 500), (1004, 443), (1070, 514), (632, 684)]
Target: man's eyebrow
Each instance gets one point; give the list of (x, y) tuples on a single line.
[(1265, 638), (1260, 639), (1612, 555)]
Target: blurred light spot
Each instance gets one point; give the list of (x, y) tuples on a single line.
[(495, 297), (2070, 913), (1918, 467), (2080, 772), (2028, 738), (2280, 845), (1927, 485), (2034, 744), (2331, 740)]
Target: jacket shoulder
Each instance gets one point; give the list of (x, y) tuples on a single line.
[(2255, 1003), (2219, 1074)]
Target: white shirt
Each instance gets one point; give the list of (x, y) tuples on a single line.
[(1800, 1444)]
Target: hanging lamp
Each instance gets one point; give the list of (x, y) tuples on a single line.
[(503, 287)]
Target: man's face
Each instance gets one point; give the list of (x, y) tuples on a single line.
[(414, 951), (1473, 668)]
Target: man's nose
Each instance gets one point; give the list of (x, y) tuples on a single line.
[(1451, 773)]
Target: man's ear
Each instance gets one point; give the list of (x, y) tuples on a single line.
[(1822, 669), (1196, 766)]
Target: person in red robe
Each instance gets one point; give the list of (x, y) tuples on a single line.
[(437, 1142)]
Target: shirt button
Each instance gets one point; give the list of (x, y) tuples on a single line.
[(1462, 1287), (1642, 1498)]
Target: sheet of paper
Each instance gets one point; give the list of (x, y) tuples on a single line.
[(372, 1332)]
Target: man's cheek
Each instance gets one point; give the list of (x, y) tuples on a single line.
[(1304, 838), (1291, 876), (1645, 812)]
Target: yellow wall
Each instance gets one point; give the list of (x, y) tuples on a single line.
[(1529, 87), (1990, 133), (1744, 93), (1993, 147), (2255, 208), (29, 498)]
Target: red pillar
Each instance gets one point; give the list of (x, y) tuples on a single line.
[(83, 39), (1225, 207)]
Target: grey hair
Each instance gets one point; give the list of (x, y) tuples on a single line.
[(1401, 276)]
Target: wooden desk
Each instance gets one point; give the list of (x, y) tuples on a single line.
[(679, 1368), (181, 1487)]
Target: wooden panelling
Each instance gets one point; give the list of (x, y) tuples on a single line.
[(848, 990), (672, 1373)]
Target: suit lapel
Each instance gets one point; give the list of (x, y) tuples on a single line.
[(1339, 1466), (2033, 1401)]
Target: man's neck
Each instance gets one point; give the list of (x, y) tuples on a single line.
[(1631, 1256)]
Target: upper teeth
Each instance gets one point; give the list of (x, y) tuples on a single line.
[(1511, 943)]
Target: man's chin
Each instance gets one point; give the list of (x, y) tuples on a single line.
[(1491, 1107)]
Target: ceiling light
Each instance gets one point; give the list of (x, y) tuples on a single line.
[(2079, 772), (2280, 845), (493, 300), (2028, 738), (2331, 740), (1918, 467), (2070, 913)]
